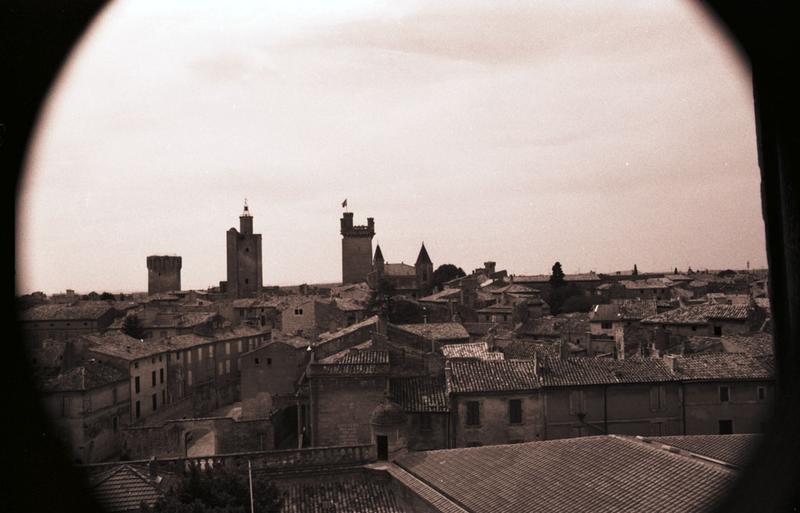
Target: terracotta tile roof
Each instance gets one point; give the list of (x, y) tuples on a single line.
[(326, 337), (479, 350), (355, 495), (84, 377), (491, 376), (186, 341), (399, 270), (587, 474), (529, 350), (733, 449), (441, 296), (603, 371), (424, 491), (756, 344), (545, 278), (700, 314), (90, 310), (553, 325), (436, 330), (120, 345), (724, 366), (515, 288), (650, 283), (420, 394), (124, 488), (364, 357)]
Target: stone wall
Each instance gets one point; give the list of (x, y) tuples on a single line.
[(749, 414), (341, 408), (495, 426), (169, 438)]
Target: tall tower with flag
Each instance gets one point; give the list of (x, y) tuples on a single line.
[(356, 248)]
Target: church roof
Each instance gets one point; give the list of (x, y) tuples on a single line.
[(423, 257), (378, 253)]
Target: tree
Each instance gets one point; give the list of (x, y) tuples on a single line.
[(132, 326), (445, 273), (675, 271), (380, 301), (635, 270), (558, 296), (557, 278), (404, 311), (217, 490), (107, 296), (581, 303)]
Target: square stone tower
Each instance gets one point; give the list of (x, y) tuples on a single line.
[(356, 249), (163, 273), (244, 258)]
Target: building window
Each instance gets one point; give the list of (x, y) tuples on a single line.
[(425, 422), (219, 368), (161, 375), (725, 427), (658, 398), (473, 413), (135, 365), (227, 348), (577, 404), (211, 351), (155, 401), (298, 311), (138, 410), (515, 411), (227, 366), (246, 281), (189, 378), (178, 356), (762, 393), (724, 394), (717, 331), (154, 377), (240, 346), (256, 361), (199, 354), (189, 356), (136, 384), (606, 325), (269, 361)]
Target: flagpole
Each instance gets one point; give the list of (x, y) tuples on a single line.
[(250, 475)]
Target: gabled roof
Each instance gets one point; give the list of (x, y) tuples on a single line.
[(87, 376), (441, 296), (603, 371), (354, 494), (491, 376), (725, 367), (585, 474), (124, 488), (733, 449), (399, 270), (89, 311), (420, 394), (700, 314), (478, 350), (529, 350), (436, 330), (122, 346), (423, 257)]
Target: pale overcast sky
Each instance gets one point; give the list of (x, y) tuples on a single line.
[(599, 134)]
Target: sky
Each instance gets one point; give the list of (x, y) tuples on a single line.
[(598, 134)]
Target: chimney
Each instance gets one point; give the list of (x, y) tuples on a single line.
[(151, 468), (672, 362)]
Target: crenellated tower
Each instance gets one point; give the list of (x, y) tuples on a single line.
[(163, 273), (356, 249)]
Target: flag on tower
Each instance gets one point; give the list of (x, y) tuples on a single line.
[(344, 203)]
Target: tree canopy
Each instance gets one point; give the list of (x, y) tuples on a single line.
[(218, 490), (132, 327), (445, 273), (557, 278)]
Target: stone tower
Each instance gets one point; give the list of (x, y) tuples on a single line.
[(244, 258), (356, 249), (163, 273), (424, 269)]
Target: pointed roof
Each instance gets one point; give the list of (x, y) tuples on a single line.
[(378, 253), (423, 257)]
